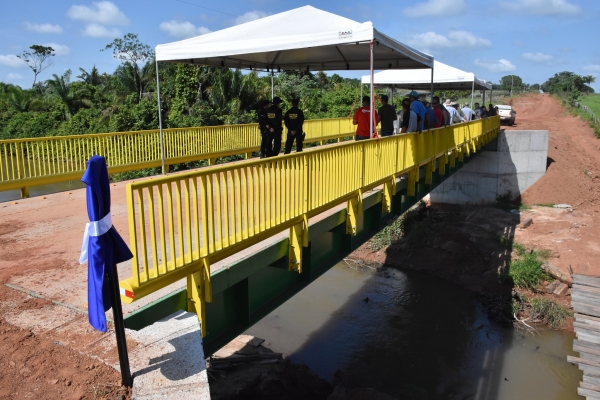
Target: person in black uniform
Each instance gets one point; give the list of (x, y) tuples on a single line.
[(293, 119), (263, 126), (274, 121)]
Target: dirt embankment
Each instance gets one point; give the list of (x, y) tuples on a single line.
[(470, 245)]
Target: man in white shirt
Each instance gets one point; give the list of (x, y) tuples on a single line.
[(454, 115), (468, 112)]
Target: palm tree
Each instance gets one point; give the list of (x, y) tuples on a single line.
[(20, 99), (61, 87), (91, 78)]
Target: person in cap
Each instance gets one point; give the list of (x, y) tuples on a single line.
[(363, 120), (410, 120), (418, 108), (275, 120), (263, 125), (293, 119), (386, 116)]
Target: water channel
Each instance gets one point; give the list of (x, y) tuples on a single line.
[(416, 337)]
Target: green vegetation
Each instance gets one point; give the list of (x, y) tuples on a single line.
[(548, 311), (526, 270), (408, 227), (593, 102), (92, 102), (545, 205), (524, 207)]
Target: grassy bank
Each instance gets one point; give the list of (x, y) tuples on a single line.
[(525, 272)]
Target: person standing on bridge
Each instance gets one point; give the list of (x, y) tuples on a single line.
[(387, 116), (293, 119), (275, 120), (263, 126), (362, 119)]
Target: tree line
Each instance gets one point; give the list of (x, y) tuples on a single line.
[(87, 101)]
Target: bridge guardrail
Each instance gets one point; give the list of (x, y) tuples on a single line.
[(180, 224), (46, 160)]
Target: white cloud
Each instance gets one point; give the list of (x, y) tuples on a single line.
[(455, 39), (59, 49), (501, 65), (182, 29), (430, 8), (43, 28), (539, 58), (592, 68), (102, 12), (250, 16), (559, 8), (99, 31), (14, 76), (10, 60)]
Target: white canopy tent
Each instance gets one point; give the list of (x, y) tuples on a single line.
[(444, 77), (304, 38)]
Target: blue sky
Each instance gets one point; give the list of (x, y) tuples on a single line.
[(492, 38)]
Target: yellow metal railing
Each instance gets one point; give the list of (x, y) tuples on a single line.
[(47, 160), (180, 224)]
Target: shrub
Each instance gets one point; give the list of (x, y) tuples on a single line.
[(549, 312)]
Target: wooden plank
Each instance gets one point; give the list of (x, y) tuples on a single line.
[(589, 386), (588, 393), (588, 327), (588, 338), (578, 360), (589, 369), (588, 319), (582, 308), (583, 288), (593, 301), (586, 280), (588, 356), (587, 350), (592, 380)]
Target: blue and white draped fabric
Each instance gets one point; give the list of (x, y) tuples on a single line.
[(102, 246)]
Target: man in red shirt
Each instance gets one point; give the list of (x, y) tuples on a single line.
[(435, 104), (362, 118)]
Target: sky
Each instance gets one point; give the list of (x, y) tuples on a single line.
[(533, 39)]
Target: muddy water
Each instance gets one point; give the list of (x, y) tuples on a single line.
[(417, 337)]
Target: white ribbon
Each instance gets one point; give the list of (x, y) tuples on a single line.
[(94, 228)]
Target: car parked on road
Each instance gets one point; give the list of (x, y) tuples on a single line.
[(507, 114)]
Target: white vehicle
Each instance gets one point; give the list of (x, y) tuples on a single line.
[(507, 114)]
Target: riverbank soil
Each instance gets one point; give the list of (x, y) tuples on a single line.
[(470, 245)]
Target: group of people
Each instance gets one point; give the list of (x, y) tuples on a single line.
[(271, 120), (415, 116)]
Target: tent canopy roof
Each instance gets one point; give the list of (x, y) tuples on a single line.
[(304, 38), (444, 77)]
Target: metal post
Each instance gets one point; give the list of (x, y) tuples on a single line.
[(472, 92), (115, 296), (483, 101), (272, 86), (431, 97), (162, 138), (372, 94)]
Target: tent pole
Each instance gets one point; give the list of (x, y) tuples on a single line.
[(431, 96), (272, 87), (483, 101), (372, 113), (162, 137), (472, 92)]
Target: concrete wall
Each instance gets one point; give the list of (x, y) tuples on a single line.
[(517, 161)]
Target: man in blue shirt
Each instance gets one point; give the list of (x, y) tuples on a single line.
[(418, 108)]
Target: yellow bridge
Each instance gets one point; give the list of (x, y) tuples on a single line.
[(182, 223)]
